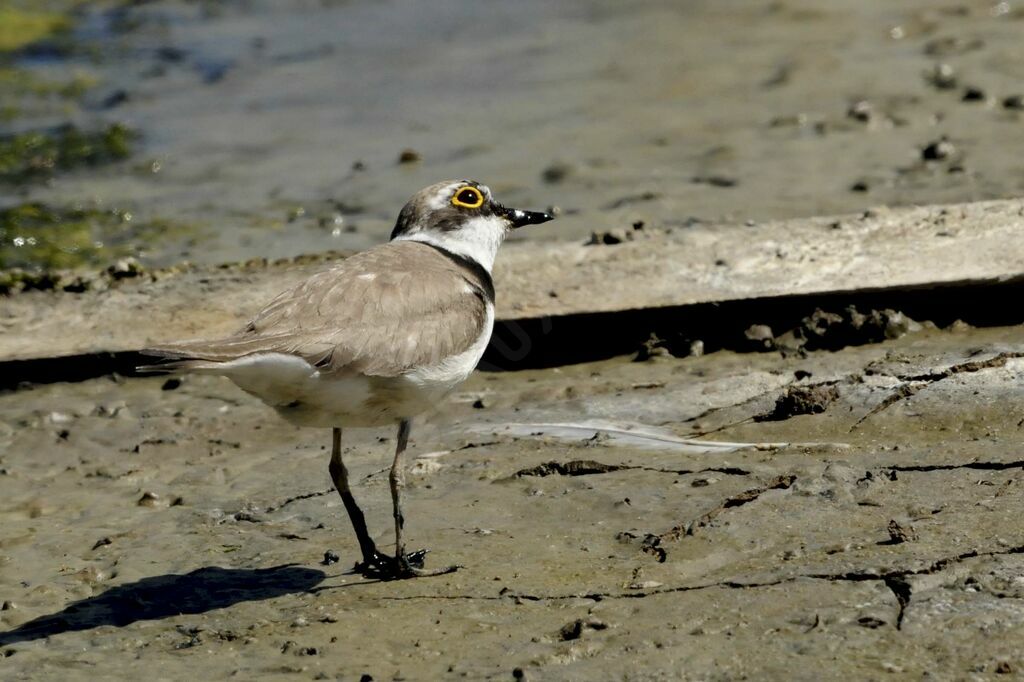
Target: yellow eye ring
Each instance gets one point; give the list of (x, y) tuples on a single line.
[(468, 197)]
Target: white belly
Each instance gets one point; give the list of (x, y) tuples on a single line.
[(304, 396)]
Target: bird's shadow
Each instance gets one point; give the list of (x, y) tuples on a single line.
[(161, 596)]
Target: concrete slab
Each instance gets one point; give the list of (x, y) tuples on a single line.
[(887, 249)]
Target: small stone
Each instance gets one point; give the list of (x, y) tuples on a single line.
[(1004, 668), (653, 347), (696, 348), (8, 605), (939, 150), (899, 534), (1014, 102), (860, 186), (330, 557), (366, 677), (860, 111), (518, 674), (574, 630), (171, 384), (606, 238), (870, 622), (556, 173), (760, 336), (943, 76), (124, 269), (102, 542), (973, 95), (409, 156), (111, 410), (300, 622), (479, 404), (148, 499)]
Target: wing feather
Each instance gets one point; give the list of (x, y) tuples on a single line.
[(380, 313)]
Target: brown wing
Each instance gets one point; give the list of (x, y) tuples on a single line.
[(381, 312)]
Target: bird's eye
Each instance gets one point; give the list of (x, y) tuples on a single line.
[(468, 197)]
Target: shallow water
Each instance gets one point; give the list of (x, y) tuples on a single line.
[(255, 113)]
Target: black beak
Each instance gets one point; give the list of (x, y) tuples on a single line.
[(519, 218)]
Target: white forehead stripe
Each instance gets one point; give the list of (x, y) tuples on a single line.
[(443, 197)]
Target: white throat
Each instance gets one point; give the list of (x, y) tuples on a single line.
[(477, 240)]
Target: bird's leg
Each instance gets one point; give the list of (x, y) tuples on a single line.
[(372, 559), (409, 565)]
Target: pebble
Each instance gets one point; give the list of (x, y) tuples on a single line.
[(943, 76), (330, 557), (124, 269), (861, 111), (556, 173), (938, 150), (409, 156), (1014, 102), (974, 95), (760, 335), (148, 499)]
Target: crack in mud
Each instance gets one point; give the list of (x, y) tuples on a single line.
[(902, 591), (917, 382), (586, 467), (296, 498), (895, 580), (984, 466), (654, 544)]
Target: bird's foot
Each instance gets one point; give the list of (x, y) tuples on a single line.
[(384, 567)]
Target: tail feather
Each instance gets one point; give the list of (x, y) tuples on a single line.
[(172, 366), (209, 355)]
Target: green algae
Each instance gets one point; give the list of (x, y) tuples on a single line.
[(38, 155), (41, 238), (21, 25), (17, 82)]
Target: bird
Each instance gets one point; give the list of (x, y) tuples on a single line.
[(374, 340)]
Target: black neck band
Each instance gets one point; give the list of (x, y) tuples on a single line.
[(485, 283)]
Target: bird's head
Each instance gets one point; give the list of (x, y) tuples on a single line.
[(461, 216)]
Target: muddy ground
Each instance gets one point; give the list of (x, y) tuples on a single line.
[(850, 514), (789, 514)]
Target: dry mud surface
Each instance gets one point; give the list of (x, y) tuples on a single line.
[(869, 528)]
